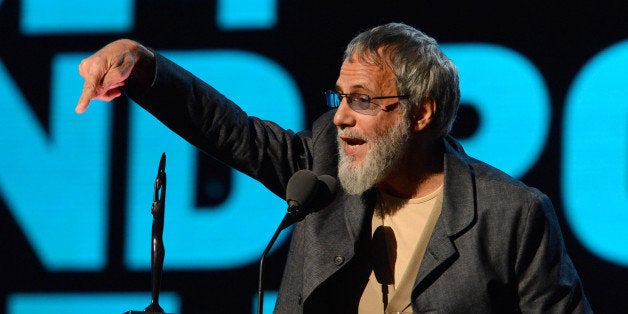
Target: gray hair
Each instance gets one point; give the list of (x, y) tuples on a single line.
[(421, 69)]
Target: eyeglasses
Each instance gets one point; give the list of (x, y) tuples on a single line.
[(360, 103)]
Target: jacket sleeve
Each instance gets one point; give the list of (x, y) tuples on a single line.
[(548, 281), (208, 120)]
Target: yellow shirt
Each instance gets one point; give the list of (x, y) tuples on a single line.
[(401, 229)]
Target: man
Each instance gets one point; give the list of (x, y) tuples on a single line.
[(419, 226)]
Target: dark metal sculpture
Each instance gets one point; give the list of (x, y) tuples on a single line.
[(158, 252), (157, 245)]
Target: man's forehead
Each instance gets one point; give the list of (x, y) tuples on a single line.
[(361, 75), (365, 58)]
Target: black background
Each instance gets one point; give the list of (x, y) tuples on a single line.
[(559, 37)]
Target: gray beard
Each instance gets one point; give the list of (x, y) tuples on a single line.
[(384, 152)]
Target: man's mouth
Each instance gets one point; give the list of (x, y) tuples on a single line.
[(352, 143), (351, 138)]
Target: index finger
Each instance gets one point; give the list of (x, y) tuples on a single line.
[(89, 89), (92, 74)]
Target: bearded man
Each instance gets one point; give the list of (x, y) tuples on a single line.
[(418, 227)]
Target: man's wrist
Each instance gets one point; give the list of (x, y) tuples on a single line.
[(144, 70)]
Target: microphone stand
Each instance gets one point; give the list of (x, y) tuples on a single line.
[(157, 244), (304, 190), (287, 220)]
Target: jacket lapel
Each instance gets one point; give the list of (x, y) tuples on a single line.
[(458, 213), (331, 234)]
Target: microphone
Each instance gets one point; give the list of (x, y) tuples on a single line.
[(305, 192), (301, 189)]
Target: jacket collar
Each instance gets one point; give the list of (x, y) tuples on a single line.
[(458, 213), (459, 191)]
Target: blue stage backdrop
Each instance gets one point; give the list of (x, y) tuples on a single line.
[(543, 84)]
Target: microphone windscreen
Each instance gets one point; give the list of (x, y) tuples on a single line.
[(328, 187), (301, 187)]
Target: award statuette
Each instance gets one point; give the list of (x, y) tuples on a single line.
[(157, 245)]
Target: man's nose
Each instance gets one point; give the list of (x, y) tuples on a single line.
[(345, 116)]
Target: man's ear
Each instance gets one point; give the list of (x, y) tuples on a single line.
[(424, 115)]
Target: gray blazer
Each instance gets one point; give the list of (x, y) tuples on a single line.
[(496, 248)]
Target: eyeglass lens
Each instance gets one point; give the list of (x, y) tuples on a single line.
[(332, 98)]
